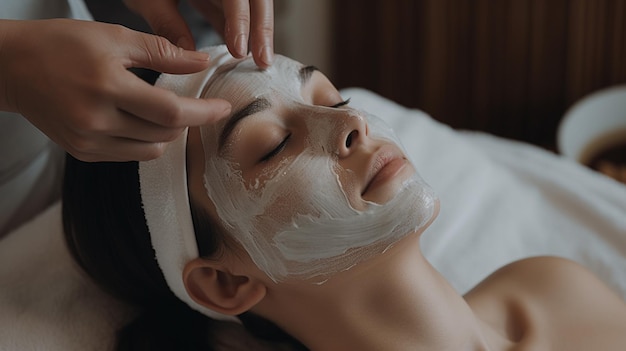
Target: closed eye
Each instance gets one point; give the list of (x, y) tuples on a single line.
[(280, 147), (277, 149), (343, 103)]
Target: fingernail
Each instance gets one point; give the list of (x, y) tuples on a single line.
[(227, 108), (241, 45), (200, 56), (267, 55)]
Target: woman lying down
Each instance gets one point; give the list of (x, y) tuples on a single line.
[(300, 218)]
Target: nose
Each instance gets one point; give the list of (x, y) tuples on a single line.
[(352, 134)]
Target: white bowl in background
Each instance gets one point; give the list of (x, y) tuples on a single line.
[(593, 124)]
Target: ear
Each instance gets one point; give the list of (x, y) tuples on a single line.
[(215, 288)]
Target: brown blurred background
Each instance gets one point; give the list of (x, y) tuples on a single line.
[(508, 67)]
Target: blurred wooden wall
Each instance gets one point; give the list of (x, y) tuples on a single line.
[(509, 67)]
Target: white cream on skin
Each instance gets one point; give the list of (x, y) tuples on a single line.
[(296, 219)]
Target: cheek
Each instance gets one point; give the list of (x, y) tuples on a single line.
[(308, 187), (351, 187), (257, 175)]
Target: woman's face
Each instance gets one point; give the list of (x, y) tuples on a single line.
[(306, 184)]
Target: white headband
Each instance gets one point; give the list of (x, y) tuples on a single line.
[(163, 184)]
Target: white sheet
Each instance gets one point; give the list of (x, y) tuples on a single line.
[(503, 200), (500, 201), (46, 303)]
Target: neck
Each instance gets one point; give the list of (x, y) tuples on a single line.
[(407, 305)]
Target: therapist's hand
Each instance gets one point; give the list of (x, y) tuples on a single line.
[(238, 21), (70, 79)]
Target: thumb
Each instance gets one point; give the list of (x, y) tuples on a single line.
[(157, 53)]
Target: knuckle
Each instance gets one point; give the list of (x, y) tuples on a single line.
[(118, 31), (100, 83), (240, 19), (82, 147), (265, 31), (172, 135), (265, 25), (91, 158), (165, 48), (173, 115), (82, 156), (89, 123), (159, 49), (155, 150)]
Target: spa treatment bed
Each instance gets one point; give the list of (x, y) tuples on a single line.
[(501, 201)]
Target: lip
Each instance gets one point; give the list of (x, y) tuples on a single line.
[(385, 164)]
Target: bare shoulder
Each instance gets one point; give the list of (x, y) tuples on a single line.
[(552, 300), (548, 275), (547, 278)]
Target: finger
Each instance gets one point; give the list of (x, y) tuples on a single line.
[(237, 17), (121, 150), (166, 21), (135, 128), (165, 108), (99, 148), (262, 32), (156, 53)]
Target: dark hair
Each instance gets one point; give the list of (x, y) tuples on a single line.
[(107, 235)]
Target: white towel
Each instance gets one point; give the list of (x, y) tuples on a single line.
[(164, 193)]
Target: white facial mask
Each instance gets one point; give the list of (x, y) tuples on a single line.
[(296, 220)]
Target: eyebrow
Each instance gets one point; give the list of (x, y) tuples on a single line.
[(255, 106), (258, 105), (305, 73)]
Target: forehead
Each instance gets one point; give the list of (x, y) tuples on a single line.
[(240, 80)]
